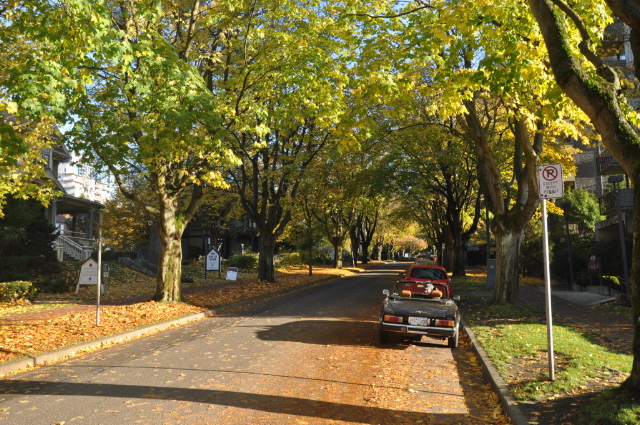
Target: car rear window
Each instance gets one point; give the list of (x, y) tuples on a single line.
[(424, 273)]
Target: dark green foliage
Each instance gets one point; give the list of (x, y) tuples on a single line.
[(194, 252), (54, 284), (244, 261), (531, 256), (582, 216), (16, 291), (26, 239)]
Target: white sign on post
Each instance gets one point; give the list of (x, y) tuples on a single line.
[(550, 182), (213, 260), (89, 274), (550, 186)]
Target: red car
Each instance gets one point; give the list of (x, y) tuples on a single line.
[(428, 273)]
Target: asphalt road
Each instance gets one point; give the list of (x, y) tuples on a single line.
[(311, 357)]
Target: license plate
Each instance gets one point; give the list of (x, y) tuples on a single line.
[(419, 321)]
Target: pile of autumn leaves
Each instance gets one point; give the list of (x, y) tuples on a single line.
[(30, 334)]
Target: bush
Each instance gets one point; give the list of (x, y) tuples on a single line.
[(244, 261), (16, 291), (290, 259), (53, 284)]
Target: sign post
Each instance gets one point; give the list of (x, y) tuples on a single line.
[(550, 186), (212, 262), (100, 277)]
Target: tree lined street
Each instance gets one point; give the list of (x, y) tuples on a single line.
[(310, 357), (316, 126)]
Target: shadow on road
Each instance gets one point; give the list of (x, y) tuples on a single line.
[(262, 402), (325, 332)]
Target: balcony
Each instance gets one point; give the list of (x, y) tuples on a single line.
[(607, 165), (608, 201)]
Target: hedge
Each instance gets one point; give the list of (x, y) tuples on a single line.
[(19, 290)]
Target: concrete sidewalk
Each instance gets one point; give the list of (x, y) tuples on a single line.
[(585, 299)]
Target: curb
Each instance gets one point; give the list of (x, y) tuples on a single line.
[(509, 404), (53, 356)]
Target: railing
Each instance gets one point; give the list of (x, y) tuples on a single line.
[(608, 201), (77, 248), (149, 258), (605, 161), (145, 257)]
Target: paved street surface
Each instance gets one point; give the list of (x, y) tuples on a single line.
[(308, 358)]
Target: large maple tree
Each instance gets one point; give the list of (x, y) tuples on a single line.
[(571, 35), (138, 107)]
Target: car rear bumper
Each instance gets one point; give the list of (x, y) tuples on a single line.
[(404, 329)]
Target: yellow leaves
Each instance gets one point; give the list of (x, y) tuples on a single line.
[(262, 129), (17, 338), (11, 107)]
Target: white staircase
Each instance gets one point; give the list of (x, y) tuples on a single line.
[(68, 247)]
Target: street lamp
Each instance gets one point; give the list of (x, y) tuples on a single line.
[(565, 209), (616, 180)]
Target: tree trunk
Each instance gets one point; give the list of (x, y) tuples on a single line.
[(365, 251), (170, 261), (310, 253), (507, 271), (459, 245), (266, 270), (337, 260), (355, 244), (633, 382)]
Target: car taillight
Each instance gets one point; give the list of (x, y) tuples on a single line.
[(449, 323), (392, 319)]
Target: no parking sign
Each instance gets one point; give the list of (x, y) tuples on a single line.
[(550, 182), (550, 186)]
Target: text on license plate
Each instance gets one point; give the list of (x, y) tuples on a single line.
[(419, 321)]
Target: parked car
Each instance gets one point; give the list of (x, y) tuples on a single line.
[(414, 309), (426, 258), (430, 273)]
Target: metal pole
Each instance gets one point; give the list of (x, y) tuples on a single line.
[(99, 267), (625, 269), (547, 284), (565, 207), (488, 234)]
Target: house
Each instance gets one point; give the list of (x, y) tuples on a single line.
[(74, 216)]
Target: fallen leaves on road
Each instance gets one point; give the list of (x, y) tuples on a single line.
[(42, 332), (243, 290)]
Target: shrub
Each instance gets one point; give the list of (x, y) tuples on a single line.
[(290, 259), (244, 261), (54, 284), (16, 291)]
